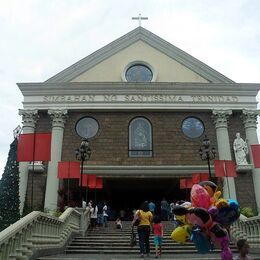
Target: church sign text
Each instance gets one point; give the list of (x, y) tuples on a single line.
[(141, 98)]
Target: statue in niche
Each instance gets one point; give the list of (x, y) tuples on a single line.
[(140, 140), (241, 150)]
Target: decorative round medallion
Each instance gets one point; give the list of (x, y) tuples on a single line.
[(192, 127), (87, 127), (139, 73)]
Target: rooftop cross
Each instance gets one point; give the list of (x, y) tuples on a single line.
[(140, 18)]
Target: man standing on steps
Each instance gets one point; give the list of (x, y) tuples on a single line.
[(164, 209), (100, 217), (105, 214), (151, 206)]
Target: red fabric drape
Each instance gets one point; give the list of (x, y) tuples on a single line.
[(195, 178), (225, 168), (92, 181), (84, 180), (198, 177), (204, 176), (99, 183), (256, 154), (230, 169), (34, 147), (68, 170), (186, 183)]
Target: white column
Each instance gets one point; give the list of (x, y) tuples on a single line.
[(58, 117), (220, 118), (29, 119), (249, 118)]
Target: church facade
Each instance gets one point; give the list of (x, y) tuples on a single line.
[(145, 106)]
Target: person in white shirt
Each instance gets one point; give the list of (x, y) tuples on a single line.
[(105, 214), (93, 215)]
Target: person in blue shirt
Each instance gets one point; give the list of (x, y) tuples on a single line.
[(151, 206)]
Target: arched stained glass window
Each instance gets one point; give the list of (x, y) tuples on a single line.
[(140, 138)]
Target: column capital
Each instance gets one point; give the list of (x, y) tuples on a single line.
[(220, 117), (58, 117), (29, 117), (249, 117)]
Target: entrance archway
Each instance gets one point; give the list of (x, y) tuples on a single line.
[(128, 193)]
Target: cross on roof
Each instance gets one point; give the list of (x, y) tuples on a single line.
[(140, 18)]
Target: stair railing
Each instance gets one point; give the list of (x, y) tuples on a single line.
[(38, 231), (247, 228)]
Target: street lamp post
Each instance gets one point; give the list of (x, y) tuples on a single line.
[(82, 154), (207, 153)]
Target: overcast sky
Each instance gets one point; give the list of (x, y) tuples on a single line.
[(39, 38)]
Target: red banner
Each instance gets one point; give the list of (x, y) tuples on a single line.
[(68, 170), (92, 181), (186, 183), (198, 177), (84, 180), (256, 154), (224, 168), (34, 147), (195, 178), (99, 183)]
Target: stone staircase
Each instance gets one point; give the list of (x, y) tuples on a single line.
[(112, 243)]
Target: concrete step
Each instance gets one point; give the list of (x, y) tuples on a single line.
[(130, 256)]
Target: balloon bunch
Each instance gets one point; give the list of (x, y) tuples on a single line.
[(206, 220)]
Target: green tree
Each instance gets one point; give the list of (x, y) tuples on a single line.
[(9, 190)]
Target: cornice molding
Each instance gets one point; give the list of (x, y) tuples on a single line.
[(133, 96), (144, 171)]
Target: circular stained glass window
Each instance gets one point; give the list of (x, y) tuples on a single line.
[(192, 127), (87, 127), (139, 73)]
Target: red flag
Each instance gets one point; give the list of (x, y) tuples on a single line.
[(183, 184), (198, 177), (186, 183), (204, 176), (74, 170), (34, 147), (63, 170), (256, 154), (195, 178), (68, 170), (230, 168), (219, 168), (224, 168), (84, 180), (99, 183), (92, 181)]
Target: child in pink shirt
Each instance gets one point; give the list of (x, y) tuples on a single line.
[(158, 235)]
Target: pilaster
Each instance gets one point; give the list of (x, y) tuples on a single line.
[(58, 117), (220, 118), (29, 120), (249, 118)]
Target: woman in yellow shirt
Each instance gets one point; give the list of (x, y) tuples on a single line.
[(144, 227)]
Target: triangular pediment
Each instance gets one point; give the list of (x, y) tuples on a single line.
[(169, 62)]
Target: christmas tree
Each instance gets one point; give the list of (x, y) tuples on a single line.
[(9, 190)]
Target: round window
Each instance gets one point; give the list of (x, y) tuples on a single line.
[(87, 127), (139, 73), (192, 127)]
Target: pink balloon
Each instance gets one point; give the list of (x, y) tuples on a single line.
[(200, 197)]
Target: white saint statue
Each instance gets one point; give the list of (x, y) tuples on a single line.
[(241, 150)]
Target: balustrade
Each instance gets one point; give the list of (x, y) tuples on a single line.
[(247, 228), (38, 231)]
